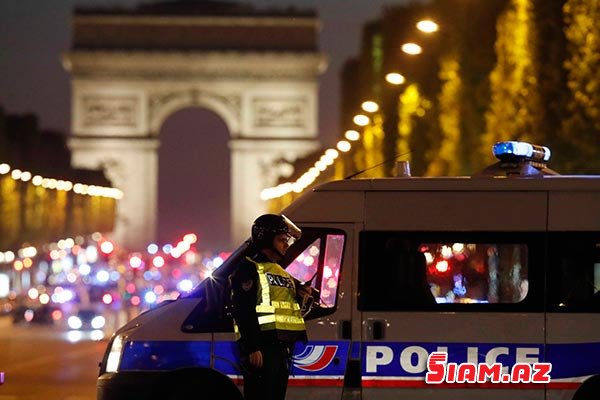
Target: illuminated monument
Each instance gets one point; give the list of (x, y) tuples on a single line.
[(132, 69)]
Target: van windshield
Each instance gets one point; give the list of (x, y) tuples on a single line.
[(220, 275)]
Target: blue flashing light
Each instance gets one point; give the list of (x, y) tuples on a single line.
[(217, 261), (150, 297), (102, 276), (85, 269), (167, 248), (521, 151), (152, 248), (185, 285), (114, 276)]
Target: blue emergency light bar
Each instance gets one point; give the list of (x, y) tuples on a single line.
[(516, 151)]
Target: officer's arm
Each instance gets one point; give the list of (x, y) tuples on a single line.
[(302, 289), (244, 290)]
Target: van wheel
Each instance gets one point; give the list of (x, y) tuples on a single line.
[(589, 389), (200, 383)]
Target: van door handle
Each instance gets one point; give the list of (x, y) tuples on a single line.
[(376, 329)]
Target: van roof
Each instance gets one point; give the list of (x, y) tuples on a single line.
[(583, 183)]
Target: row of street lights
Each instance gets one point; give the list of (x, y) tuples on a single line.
[(413, 49), (351, 135)]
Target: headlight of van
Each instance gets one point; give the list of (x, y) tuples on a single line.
[(114, 355)]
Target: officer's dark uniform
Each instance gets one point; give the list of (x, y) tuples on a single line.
[(257, 330)]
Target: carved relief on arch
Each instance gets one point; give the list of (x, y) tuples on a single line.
[(162, 104), (114, 170)]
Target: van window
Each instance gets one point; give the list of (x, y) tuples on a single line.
[(331, 269), (317, 257), (213, 311), (432, 270), (574, 279), (304, 266)]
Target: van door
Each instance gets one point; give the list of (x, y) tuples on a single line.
[(319, 365), (573, 318), (475, 297), (454, 271)]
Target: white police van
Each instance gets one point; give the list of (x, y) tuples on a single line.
[(499, 267)]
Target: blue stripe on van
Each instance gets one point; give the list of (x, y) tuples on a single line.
[(574, 359), (164, 355), (227, 358), (329, 358)]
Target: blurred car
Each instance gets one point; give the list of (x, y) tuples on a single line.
[(46, 314), (86, 319), (42, 314), (6, 307)]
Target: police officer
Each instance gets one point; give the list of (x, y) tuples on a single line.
[(267, 316)]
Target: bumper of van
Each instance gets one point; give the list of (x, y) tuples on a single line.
[(177, 384)]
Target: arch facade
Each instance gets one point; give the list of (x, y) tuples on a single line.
[(123, 89)]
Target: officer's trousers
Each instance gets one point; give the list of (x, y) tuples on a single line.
[(270, 381)]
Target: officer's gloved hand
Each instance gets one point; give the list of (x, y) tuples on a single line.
[(308, 297)]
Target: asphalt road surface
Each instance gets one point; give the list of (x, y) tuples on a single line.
[(48, 362)]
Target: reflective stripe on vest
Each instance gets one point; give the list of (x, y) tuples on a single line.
[(276, 305)]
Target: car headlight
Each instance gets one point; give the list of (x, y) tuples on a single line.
[(74, 322), (114, 355), (98, 322)]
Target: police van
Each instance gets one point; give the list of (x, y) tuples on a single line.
[(500, 267)]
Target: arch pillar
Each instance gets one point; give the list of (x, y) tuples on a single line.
[(130, 163), (251, 171)]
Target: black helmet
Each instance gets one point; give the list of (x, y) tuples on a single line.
[(267, 226)]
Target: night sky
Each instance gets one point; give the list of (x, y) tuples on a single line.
[(34, 34)]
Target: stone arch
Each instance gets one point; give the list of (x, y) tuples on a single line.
[(132, 69), (166, 104)]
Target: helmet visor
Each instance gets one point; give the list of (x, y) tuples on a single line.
[(289, 239), (292, 230)]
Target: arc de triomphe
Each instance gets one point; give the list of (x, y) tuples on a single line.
[(132, 69)]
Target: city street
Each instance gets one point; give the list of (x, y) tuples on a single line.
[(40, 362)]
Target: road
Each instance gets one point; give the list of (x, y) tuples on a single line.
[(44, 362)]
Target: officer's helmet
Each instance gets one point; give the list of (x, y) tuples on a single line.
[(267, 226)]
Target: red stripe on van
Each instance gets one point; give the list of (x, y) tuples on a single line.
[(393, 383), (421, 384), (315, 382)]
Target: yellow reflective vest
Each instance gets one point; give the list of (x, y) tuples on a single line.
[(276, 305)]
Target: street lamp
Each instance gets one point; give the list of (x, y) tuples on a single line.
[(352, 135), (369, 106), (343, 146), (412, 48), (427, 26), (361, 120), (395, 78)]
